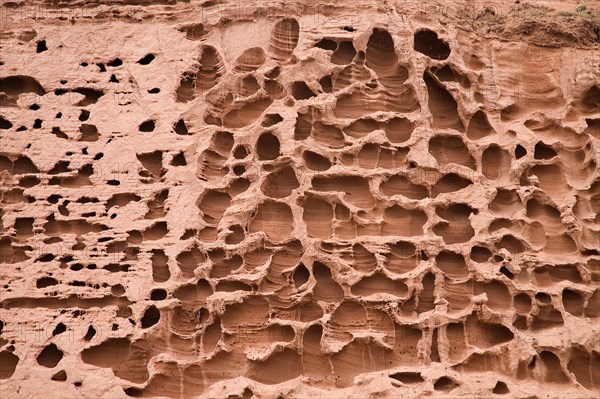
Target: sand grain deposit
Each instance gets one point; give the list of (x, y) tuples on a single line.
[(299, 199)]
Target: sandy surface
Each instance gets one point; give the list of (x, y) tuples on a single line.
[(369, 199)]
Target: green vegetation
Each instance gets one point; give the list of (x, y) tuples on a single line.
[(582, 11), (525, 17)]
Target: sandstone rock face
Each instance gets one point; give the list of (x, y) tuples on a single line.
[(299, 199)]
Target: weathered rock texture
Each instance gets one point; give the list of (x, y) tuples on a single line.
[(336, 199)]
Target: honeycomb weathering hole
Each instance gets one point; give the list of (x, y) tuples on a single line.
[(324, 200), (428, 43)]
